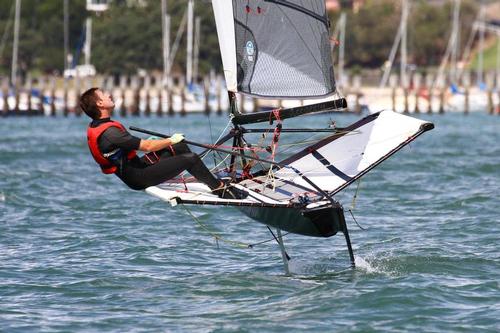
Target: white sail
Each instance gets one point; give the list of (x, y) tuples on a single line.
[(223, 12), (337, 161)]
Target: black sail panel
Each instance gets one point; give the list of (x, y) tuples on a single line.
[(282, 48)]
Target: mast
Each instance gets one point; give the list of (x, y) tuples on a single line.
[(480, 63), (404, 47), (88, 40), (165, 28), (498, 61), (13, 78), (456, 41), (451, 53), (392, 55), (66, 33), (196, 51), (177, 40), (189, 61)]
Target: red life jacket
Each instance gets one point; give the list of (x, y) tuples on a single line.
[(93, 134)]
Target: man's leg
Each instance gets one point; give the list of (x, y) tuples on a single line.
[(197, 169), (169, 167)]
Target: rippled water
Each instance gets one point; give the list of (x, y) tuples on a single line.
[(81, 252)]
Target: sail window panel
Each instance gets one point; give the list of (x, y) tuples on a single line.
[(283, 48)]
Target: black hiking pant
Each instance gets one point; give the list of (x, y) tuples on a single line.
[(140, 173)]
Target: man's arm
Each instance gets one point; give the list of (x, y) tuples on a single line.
[(113, 138), (154, 145)]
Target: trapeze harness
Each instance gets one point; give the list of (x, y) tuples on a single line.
[(106, 161)]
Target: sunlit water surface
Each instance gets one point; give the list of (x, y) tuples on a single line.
[(81, 252)]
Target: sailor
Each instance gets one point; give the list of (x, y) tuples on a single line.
[(114, 149)]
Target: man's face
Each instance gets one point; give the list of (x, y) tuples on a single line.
[(105, 101)]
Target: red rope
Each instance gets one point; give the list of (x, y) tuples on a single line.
[(254, 149), (277, 131)]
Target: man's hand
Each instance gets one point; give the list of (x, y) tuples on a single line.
[(176, 138)]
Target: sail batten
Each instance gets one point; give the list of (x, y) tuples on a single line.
[(275, 48)]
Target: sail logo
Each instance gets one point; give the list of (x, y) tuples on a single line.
[(250, 50)]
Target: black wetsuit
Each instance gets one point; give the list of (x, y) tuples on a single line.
[(139, 173)]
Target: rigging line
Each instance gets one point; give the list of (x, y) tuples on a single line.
[(259, 144), (253, 149), (272, 233), (228, 241), (224, 130), (220, 136), (360, 227), (215, 168), (298, 143), (214, 235), (353, 204), (266, 241), (234, 154), (211, 134)]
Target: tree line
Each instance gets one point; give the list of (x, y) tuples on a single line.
[(127, 37)]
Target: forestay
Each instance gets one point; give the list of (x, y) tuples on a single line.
[(275, 48), (336, 161)]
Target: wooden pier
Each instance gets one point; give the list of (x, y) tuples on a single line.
[(150, 95)]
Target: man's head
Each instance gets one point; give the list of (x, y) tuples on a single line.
[(96, 103)]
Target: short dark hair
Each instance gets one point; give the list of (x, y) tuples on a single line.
[(88, 103)]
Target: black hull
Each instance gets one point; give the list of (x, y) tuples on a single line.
[(324, 221)]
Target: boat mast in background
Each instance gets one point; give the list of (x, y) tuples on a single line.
[(165, 28), (498, 62), (88, 40), (13, 77), (66, 34), (189, 53), (400, 37), (455, 37), (196, 51), (480, 62), (177, 41), (451, 52), (404, 44)]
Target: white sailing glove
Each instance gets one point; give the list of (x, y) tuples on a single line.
[(176, 138)]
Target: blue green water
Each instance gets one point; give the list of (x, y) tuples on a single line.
[(79, 252)]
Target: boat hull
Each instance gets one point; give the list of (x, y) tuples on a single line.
[(323, 221)]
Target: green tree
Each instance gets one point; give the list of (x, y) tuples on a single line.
[(128, 38), (41, 33), (430, 29), (370, 33)]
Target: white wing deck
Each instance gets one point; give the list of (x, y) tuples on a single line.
[(198, 193)]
